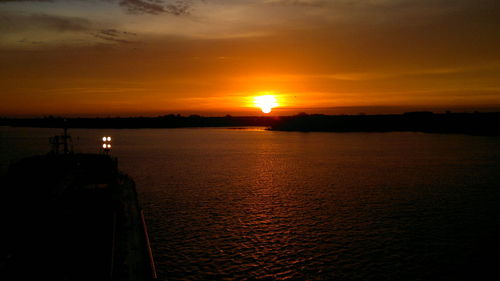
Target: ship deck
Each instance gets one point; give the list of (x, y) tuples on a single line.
[(71, 217)]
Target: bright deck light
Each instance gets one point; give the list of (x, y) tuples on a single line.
[(106, 145)]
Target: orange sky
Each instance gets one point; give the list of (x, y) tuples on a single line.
[(144, 57)]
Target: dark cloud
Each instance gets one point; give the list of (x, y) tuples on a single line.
[(29, 24), (155, 7), (177, 8), (305, 3), (114, 35), (143, 6), (10, 22)]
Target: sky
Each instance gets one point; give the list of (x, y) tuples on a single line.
[(211, 57)]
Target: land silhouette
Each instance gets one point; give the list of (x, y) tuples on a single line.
[(477, 123)]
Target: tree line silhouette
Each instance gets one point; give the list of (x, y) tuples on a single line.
[(487, 123)]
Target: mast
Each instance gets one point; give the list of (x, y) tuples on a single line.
[(65, 138)]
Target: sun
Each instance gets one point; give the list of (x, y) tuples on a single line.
[(266, 103)]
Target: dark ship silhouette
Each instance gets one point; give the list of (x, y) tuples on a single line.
[(72, 216)]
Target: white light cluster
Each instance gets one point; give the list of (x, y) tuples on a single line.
[(106, 143)]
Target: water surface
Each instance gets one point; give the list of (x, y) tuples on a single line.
[(255, 204)]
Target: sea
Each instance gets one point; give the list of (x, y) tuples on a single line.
[(253, 204)]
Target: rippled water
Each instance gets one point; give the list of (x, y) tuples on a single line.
[(252, 204)]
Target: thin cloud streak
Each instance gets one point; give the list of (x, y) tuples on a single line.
[(12, 23), (115, 36), (155, 7)]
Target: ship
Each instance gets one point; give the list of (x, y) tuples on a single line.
[(72, 216)]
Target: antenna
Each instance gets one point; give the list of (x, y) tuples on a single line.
[(63, 140)]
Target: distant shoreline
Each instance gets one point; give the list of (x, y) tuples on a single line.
[(486, 124)]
